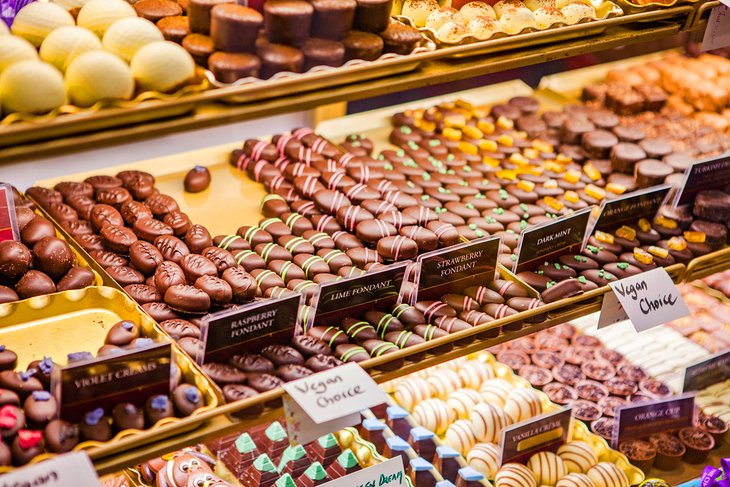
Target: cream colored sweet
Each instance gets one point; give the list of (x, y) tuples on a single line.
[(96, 76), (443, 382), (127, 36), (460, 436), (14, 49), (518, 19), (715, 400), (463, 401), (162, 66), (545, 17), (484, 27), (419, 10), (495, 391), (434, 415), (514, 475), (484, 458), (31, 86), (522, 404), (503, 5), (575, 12), (578, 456), (575, 480), (65, 44), (487, 422), (606, 474), (411, 392), (474, 373), (547, 467), (4, 30), (70, 4), (38, 19), (476, 9), (99, 15), (442, 16), (452, 33), (536, 4)]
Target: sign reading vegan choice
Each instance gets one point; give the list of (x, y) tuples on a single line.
[(301, 429), (453, 269), (649, 299), (701, 176), (67, 470), (104, 382), (335, 393), (8, 222), (388, 473), (546, 242), (522, 440), (248, 328), (639, 420), (707, 372), (631, 207), (717, 33)]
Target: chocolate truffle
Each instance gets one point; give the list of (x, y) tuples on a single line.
[(332, 18), (199, 14), (323, 52), (234, 28), (127, 416), (363, 45), (287, 21), (60, 436), (372, 15), (156, 408), (276, 58)]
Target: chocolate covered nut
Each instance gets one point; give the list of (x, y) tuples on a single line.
[(253, 364), (282, 355), (145, 257), (125, 275), (172, 248), (117, 238), (132, 211), (35, 230), (34, 283), (242, 283), (178, 221), (290, 372), (187, 299), (149, 229), (319, 363), (219, 290), (143, 293), (161, 204)]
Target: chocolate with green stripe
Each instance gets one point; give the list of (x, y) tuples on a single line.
[(286, 269), (311, 264), (358, 330), (255, 235), (383, 322), (231, 242), (351, 353), (249, 260), (376, 348), (296, 245), (403, 339), (320, 240), (272, 251)]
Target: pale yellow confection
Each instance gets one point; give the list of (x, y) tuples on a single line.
[(434, 415), (63, 45), (412, 391), (38, 19), (575, 480), (484, 27), (126, 36), (14, 49), (547, 467), (452, 32), (99, 15), (517, 19), (488, 421), (514, 475), (578, 456), (475, 9), (4, 29), (443, 382), (462, 402), (547, 16), (443, 16), (536, 4), (98, 75), (607, 474), (460, 436), (484, 458), (495, 391), (522, 404), (70, 4), (419, 10), (474, 372), (31, 86), (575, 12), (162, 66), (503, 5)]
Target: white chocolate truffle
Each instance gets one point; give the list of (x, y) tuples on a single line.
[(516, 20), (443, 382), (127, 36), (575, 480), (503, 5), (162, 66), (547, 467), (38, 19), (484, 27), (452, 32), (474, 373), (463, 401), (63, 45), (578, 456), (419, 10), (412, 391), (434, 415), (70, 4), (98, 75), (514, 475), (99, 15), (487, 422), (14, 49), (495, 391), (484, 458), (606, 474), (460, 436), (574, 12), (475, 9), (547, 16), (522, 404), (536, 4), (443, 16), (31, 86)]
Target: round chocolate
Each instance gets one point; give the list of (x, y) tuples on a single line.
[(60, 436), (156, 408), (40, 407), (186, 398), (36, 230), (197, 179), (127, 416), (34, 283), (95, 426), (15, 259)]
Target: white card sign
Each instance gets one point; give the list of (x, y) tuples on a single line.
[(301, 429), (611, 311), (68, 470), (650, 299), (389, 473), (335, 393), (717, 34)]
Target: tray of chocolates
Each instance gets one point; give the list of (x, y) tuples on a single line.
[(83, 324)]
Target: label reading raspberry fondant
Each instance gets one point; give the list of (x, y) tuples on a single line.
[(67, 470), (639, 420), (249, 328), (546, 242), (104, 382), (387, 474), (522, 440), (630, 208), (8, 222), (702, 176), (710, 371), (453, 269)]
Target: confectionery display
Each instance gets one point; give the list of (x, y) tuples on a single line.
[(709, 325)]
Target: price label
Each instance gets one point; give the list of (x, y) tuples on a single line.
[(248, 328), (717, 33), (630, 208), (335, 393), (388, 473), (8, 219), (522, 440), (707, 372), (649, 299), (68, 470), (644, 419), (704, 175)]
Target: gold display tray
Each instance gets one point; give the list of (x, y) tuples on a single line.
[(57, 324)]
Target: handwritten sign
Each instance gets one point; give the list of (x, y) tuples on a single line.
[(643, 419), (522, 440), (389, 473), (701, 176), (650, 298), (335, 393), (8, 219), (68, 470), (707, 372), (453, 269), (611, 311), (548, 241), (107, 381), (631, 207), (717, 33), (302, 429), (248, 328)]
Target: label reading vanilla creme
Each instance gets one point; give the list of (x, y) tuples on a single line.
[(522, 440)]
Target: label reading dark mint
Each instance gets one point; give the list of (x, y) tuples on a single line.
[(249, 328), (378, 290), (701, 176), (453, 269), (546, 242), (647, 418), (107, 381), (708, 372), (522, 440), (8, 219), (630, 208)]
